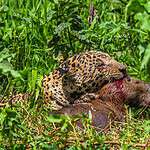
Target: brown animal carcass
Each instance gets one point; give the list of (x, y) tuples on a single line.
[(107, 104), (102, 113), (134, 92), (125, 91)]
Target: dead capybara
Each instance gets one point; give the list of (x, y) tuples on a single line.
[(126, 91), (102, 113), (108, 103)]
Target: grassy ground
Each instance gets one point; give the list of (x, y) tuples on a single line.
[(35, 35)]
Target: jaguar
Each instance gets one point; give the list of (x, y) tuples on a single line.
[(82, 73)]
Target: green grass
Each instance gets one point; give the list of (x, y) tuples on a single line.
[(36, 34)]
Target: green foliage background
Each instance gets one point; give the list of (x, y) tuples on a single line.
[(35, 34)]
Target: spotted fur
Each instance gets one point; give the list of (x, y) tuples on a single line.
[(82, 73)]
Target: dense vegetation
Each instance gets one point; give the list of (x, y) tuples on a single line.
[(36, 34)]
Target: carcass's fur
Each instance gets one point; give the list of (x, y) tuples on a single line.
[(108, 103)]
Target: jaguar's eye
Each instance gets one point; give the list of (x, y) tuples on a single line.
[(63, 70)]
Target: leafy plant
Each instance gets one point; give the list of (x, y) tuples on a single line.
[(35, 35)]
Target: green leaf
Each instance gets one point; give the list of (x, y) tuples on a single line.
[(135, 6), (56, 118), (61, 27), (3, 114), (32, 80), (7, 69), (147, 6), (144, 20), (56, 1), (146, 58)]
